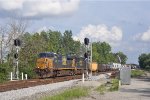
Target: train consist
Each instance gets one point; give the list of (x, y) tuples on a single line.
[(50, 64)]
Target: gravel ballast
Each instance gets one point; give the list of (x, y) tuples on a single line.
[(35, 93), (20, 93)]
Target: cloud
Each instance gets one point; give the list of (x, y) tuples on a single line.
[(100, 33), (45, 28), (144, 37), (39, 8)]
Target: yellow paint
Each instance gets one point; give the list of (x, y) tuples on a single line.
[(73, 63), (93, 66), (43, 63), (64, 61)]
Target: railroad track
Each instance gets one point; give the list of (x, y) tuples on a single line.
[(14, 85)]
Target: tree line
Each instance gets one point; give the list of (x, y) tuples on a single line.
[(47, 41), (63, 43), (144, 61)]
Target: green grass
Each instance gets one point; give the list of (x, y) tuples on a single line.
[(69, 94), (112, 86), (137, 73), (115, 85), (101, 89)]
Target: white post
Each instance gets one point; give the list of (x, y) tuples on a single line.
[(26, 76), (17, 66), (83, 78), (91, 57), (11, 76), (22, 75), (119, 82)]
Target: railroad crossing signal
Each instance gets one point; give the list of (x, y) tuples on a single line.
[(16, 55), (17, 42), (86, 41), (85, 55)]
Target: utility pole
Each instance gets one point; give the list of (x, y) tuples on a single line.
[(91, 58), (86, 42), (17, 43), (1, 48)]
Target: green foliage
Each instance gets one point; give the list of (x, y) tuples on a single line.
[(4, 71), (50, 41), (69, 94), (122, 56), (102, 53), (137, 73), (55, 41), (144, 61), (115, 85), (112, 86), (101, 89), (3, 77)]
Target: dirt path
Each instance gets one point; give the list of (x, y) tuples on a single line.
[(138, 90)]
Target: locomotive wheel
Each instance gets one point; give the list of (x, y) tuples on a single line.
[(42, 74), (54, 74)]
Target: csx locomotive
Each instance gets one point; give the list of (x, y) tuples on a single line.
[(50, 64)]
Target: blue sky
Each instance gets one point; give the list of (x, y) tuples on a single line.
[(124, 24)]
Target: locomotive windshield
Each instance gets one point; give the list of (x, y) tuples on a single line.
[(44, 55)]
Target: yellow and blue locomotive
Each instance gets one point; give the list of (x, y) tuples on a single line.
[(50, 64)]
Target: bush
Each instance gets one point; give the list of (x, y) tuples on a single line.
[(4, 71), (115, 85), (3, 77), (137, 73), (101, 89), (29, 71)]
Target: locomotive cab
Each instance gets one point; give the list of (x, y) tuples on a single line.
[(45, 60)]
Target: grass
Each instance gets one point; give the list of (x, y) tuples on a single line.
[(137, 73), (69, 94), (112, 86), (115, 85), (101, 89)]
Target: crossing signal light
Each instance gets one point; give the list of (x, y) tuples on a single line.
[(86, 55), (17, 42), (86, 41), (16, 55)]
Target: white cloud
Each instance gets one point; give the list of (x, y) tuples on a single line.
[(100, 33), (39, 8), (11, 4), (45, 28), (144, 37)]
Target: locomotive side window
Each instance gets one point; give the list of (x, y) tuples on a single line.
[(42, 55)]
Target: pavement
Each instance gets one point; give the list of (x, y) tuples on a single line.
[(139, 89)]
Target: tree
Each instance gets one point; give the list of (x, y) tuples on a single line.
[(54, 41), (101, 52), (144, 61), (68, 42), (122, 56)]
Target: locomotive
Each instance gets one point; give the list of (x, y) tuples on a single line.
[(50, 64)]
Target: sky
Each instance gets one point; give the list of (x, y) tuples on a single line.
[(124, 24)]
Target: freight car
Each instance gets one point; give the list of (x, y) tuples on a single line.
[(50, 64), (103, 67)]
